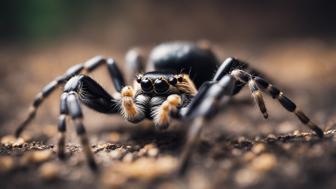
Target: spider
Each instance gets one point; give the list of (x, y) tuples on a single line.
[(185, 81)]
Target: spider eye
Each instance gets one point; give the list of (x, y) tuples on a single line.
[(161, 86), (138, 78), (172, 81), (146, 85), (180, 78)]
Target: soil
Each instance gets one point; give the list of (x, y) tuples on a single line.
[(238, 149)]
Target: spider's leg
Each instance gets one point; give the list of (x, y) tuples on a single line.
[(88, 67), (83, 89), (135, 63), (132, 108), (192, 138), (62, 126), (112, 68), (46, 91), (163, 111), (77, 117), (245, 77), (277, 94), (231, 64), (92, 94), (201, 109)]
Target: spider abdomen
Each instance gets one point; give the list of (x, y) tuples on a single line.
[(183, 57)]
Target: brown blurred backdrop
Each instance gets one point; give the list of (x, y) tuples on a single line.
[(39, 39), (126, 23)]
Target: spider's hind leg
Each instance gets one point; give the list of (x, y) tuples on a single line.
[(231, 64), (289, 105), (135, 63), (62, 126), (89, 66), (75, 112), (82, 89)]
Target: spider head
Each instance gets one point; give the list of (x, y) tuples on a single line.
[(159, 83)]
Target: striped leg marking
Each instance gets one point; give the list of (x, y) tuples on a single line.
[(258, 98), (77, 118), (61, 140), (86, 67), (289, 105), (62, 126)]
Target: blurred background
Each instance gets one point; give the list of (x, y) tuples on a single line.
[(122, 24), (39, 39), (293, 42)]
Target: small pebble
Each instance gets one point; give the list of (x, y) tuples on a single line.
[(114, 137), (6, 164), (226, 164), (8, 140), (198, 180), (113, 180), (143, 168), (248, 156), (153, 152), (242, 139), (49, 130), (308, 138), (49, 171), (285, 127), (36, 157), (271, 138), (291, 169), (19, 142), (150, 150), (258, 148), (142, 152), (149, 146), (264, 162), (287, 146), (296, 133), (246, 177), (117, 153), (236, 152), (128, 157)]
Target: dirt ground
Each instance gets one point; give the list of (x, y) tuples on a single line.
[(239, 149)]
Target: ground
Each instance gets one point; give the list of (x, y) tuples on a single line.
[(238, 149)]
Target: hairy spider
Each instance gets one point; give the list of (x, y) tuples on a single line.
[(187, 83)]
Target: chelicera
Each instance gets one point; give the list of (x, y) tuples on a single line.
[(182, 81)]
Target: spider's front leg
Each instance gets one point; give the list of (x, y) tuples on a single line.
[(163, 109), (82, 89), (230, 78), (243, 75), (132, 107), (256, 82), (87, 67), (201, 109)]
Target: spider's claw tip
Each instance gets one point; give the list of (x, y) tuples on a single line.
[(93, 166), (319, 132), (61, 156), (17, 133), (265, 115)]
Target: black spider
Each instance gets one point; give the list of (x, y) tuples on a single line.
[(184, 85)]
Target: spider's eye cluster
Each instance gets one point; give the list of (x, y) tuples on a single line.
[(172, 81), (146, 84), (160, 86), (179, 78)]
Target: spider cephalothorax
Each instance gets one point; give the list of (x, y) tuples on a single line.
[(165, 83), (183, 81)]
